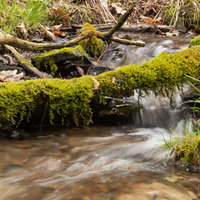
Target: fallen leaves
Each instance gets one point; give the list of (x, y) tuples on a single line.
[(63, 16), (10, 76)]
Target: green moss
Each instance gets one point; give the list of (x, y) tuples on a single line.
[(63, 96), (92, 45), (80, 49), (162, 75), (195, 41), (25, 62), (48, 59)]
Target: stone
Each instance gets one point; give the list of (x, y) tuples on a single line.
[(94, 70), (3, 60)]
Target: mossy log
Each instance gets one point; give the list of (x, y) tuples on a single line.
[(71, 98)]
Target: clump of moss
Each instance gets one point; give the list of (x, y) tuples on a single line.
[(195, 41), (65, 97), (47, 59), (92, 45), (80, 49)]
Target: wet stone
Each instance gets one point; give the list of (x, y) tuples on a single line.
[(3, 60), (96, 70)]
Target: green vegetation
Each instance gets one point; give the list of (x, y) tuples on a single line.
[(186, 148), (186, 11), (13, 13), (92, 45), (195, 41), (65, 97), (162, 75)]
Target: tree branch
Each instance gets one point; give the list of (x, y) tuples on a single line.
[(121, 21)]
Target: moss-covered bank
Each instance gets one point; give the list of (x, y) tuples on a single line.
[(162, 75)]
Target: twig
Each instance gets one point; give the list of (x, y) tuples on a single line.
[(104, 51)]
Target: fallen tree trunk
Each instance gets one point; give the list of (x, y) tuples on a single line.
[(71, 98)]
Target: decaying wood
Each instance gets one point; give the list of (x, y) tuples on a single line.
[(23, 63), (26, 45), (32, 46)]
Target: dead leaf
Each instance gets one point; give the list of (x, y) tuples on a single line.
[(149, 20), (57, 32), (49, 34), (66, 16), (10, 76), (56, 27), (11, 60), (192, 32), (117, 8), (21, 31), (65, 19), (57, 12)]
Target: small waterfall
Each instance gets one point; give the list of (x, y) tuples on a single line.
[(157, 112)]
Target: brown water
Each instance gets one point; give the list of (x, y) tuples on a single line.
[(95, 163)]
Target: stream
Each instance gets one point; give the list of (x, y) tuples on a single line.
[(100, 162)]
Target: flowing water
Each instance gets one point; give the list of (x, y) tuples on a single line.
[(99, 162)]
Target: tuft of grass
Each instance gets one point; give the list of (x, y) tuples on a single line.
[(12, 13), (35, 11), (186, 147)]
